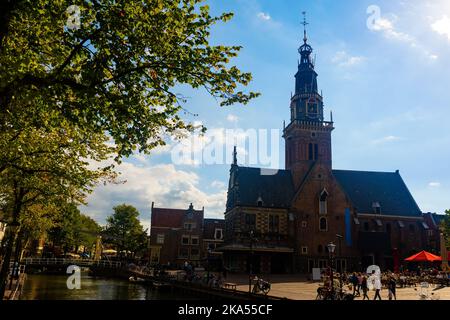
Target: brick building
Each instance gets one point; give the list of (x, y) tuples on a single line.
[(179, 235), (294, 213)]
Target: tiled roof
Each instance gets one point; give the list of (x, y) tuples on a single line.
[(169, 218), (367, 189), (274, 187)]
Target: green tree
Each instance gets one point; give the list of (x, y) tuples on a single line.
[(124, 230), (446, 226), (120, 71), (74, 229), (66, 93)]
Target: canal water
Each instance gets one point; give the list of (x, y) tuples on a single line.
[(54, 287)]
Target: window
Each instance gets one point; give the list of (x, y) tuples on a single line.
[(356, 221), (323, 202), (378, 222), (160, 238), (250, 220), (323, 225), (430, 233), (319, 248), (189, 226), (274, 222), (304, 250), (401, 224), (316, 152), (388, 228), (310, 153), (412, 228), (376, 207), (211, 246), (185, 240), (425, 225), (183, 253), (195, 253), (218, 234), (194, 240), (304, 224)]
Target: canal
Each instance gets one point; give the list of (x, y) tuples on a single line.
[(53, 287)]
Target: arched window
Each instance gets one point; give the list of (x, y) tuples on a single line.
[(323, 202), (323, 224)]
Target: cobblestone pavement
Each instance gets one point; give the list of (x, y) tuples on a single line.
[(298, 288)]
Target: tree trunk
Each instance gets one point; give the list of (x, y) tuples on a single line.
[(5, 265)]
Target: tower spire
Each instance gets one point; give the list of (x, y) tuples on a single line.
[(234, 156), (305, 38)]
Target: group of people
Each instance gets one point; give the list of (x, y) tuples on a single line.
[(361, 282)]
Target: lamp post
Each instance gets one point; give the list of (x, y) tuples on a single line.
[(250, 267), (331, 247), (339, 237)]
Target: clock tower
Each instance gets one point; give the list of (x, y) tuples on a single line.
[(308, 135)]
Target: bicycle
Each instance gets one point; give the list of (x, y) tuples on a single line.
[(261, 286)]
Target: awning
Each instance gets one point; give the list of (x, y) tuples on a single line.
[(401, 224)]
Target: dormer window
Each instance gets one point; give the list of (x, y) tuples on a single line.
[(259, 202), (376, 207), (323, 202)]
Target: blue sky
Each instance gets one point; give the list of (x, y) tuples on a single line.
[(388, 88)]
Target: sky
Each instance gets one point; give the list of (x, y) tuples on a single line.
[(384, 71)]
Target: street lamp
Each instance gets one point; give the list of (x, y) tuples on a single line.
[(331, 247), (250, 267)]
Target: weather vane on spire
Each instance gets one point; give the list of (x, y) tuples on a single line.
[(304, 26)]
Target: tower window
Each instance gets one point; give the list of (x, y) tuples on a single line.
[(323, 224), (316, 152), (310, 152), (323, 202)]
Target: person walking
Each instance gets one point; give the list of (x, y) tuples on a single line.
[(354, 282), (391, 287), (364, 287), (376, 284)]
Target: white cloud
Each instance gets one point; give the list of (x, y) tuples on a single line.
[(232, 118), (442, 26), (387, 27), (164, 184), (218, 184), (343, 59), (434, 184), (263, 16), (386, 139)]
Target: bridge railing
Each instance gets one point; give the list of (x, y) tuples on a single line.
[(77, 262)]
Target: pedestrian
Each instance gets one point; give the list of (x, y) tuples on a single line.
[(375, 279), (364, 287), (391, 287), (354, 282)]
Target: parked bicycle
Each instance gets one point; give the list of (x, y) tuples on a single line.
[(261, 286)]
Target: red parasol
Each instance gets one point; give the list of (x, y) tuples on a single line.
[(424, 256)]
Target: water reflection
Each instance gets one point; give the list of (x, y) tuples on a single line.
[(53, 287)]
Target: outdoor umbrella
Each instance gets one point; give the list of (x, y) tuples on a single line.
[(424, 256)]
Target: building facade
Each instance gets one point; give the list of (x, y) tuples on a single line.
[(179, 235), (282, 221)]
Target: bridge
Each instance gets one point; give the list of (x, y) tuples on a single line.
[(37, 262)]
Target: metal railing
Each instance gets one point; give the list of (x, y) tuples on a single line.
[(78, 262)]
